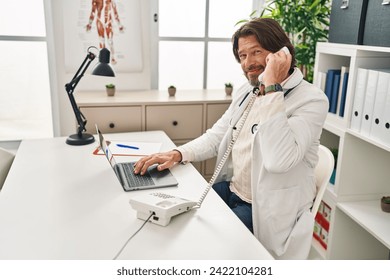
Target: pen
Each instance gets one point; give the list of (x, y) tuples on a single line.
[(127, 146)]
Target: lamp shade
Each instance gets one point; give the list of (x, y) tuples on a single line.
[(103, 68)]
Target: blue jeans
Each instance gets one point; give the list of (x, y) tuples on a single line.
[(242, 209)]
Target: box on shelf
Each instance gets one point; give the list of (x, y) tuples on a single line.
[(347, 19), (377, 25)]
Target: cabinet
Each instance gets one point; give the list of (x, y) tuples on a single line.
[(183, 117), (358, 229)]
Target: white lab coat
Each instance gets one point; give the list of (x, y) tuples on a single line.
[(284, 152)]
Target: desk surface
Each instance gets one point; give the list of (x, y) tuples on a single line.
[(63, 202)]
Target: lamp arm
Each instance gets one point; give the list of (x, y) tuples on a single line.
[(69, 87)]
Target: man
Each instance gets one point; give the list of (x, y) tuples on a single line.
[(268, 180)]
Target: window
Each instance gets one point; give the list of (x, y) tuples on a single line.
[(194, 43), (25, 103)]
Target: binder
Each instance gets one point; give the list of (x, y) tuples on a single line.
[(329, 83), (369, 100), (357, 109), (385, 127), (335, 93), (378, 117), (344, 69)]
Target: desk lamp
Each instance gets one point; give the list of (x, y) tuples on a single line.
[(102, 69)]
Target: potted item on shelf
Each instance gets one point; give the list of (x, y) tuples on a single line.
[(385, 204), (110, 89), (228, 88), (171, 90)]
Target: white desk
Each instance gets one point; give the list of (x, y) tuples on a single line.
[(63, 202)]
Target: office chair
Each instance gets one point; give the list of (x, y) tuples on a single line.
[(6, 159), (323, 172)]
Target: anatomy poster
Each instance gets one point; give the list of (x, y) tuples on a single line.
[(113, 24)]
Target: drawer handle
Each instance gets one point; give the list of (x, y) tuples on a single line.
[(111, 125), (175, 123)]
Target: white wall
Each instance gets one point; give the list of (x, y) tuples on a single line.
[(64, 120)]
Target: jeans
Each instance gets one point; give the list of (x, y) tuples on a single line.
[(242, 209)]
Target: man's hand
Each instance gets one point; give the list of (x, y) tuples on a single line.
[(276, 70), (164, 161)]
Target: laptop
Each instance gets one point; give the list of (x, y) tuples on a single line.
[(130, 181)]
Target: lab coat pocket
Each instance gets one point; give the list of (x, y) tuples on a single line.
[(282, 210)]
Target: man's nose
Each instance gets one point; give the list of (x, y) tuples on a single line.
[(250, 61)]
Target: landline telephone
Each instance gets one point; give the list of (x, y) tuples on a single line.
[(161, 207)]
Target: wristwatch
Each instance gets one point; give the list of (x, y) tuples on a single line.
[(273, 88)]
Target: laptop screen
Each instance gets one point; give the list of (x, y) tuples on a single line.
[(106, 149)]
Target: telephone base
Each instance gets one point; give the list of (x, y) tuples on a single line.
[(154, 219), (163, 206)]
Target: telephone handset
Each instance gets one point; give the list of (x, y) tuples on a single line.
[(286, 51), (161, 207)]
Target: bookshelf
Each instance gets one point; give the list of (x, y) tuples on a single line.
[(358, 228)]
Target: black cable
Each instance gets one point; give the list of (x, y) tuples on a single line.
[(131, 237)]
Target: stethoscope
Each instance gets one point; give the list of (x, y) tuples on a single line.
[(237, 114)]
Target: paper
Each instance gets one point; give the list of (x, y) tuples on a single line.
[(125, 148)]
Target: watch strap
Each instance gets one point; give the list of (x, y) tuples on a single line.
[(273, 88)]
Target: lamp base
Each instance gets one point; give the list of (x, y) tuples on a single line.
[(76, 140)]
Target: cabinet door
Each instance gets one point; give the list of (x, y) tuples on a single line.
[(214, 112), (178, 121), (113, 119)]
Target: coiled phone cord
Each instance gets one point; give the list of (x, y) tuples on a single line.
[(255, 93)]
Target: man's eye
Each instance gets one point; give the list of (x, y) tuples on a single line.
[(257, 52), (242, 56)]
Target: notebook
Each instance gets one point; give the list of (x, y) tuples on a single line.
[(130, 181)]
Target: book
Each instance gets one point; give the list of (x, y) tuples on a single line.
[(321, 80), (344, 69), (329, 83), (343, 88), (335, 93)]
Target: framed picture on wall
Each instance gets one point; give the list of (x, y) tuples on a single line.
[(113, 24)]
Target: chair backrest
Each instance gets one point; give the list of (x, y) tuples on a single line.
[(323, 172), (6, 159)]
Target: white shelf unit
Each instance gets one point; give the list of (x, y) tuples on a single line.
[(359, 229)]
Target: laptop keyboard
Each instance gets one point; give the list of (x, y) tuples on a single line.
[(136, 180)]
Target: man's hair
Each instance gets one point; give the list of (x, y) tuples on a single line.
[(268, 33)]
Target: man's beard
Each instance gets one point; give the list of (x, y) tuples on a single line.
[(254, 80)]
